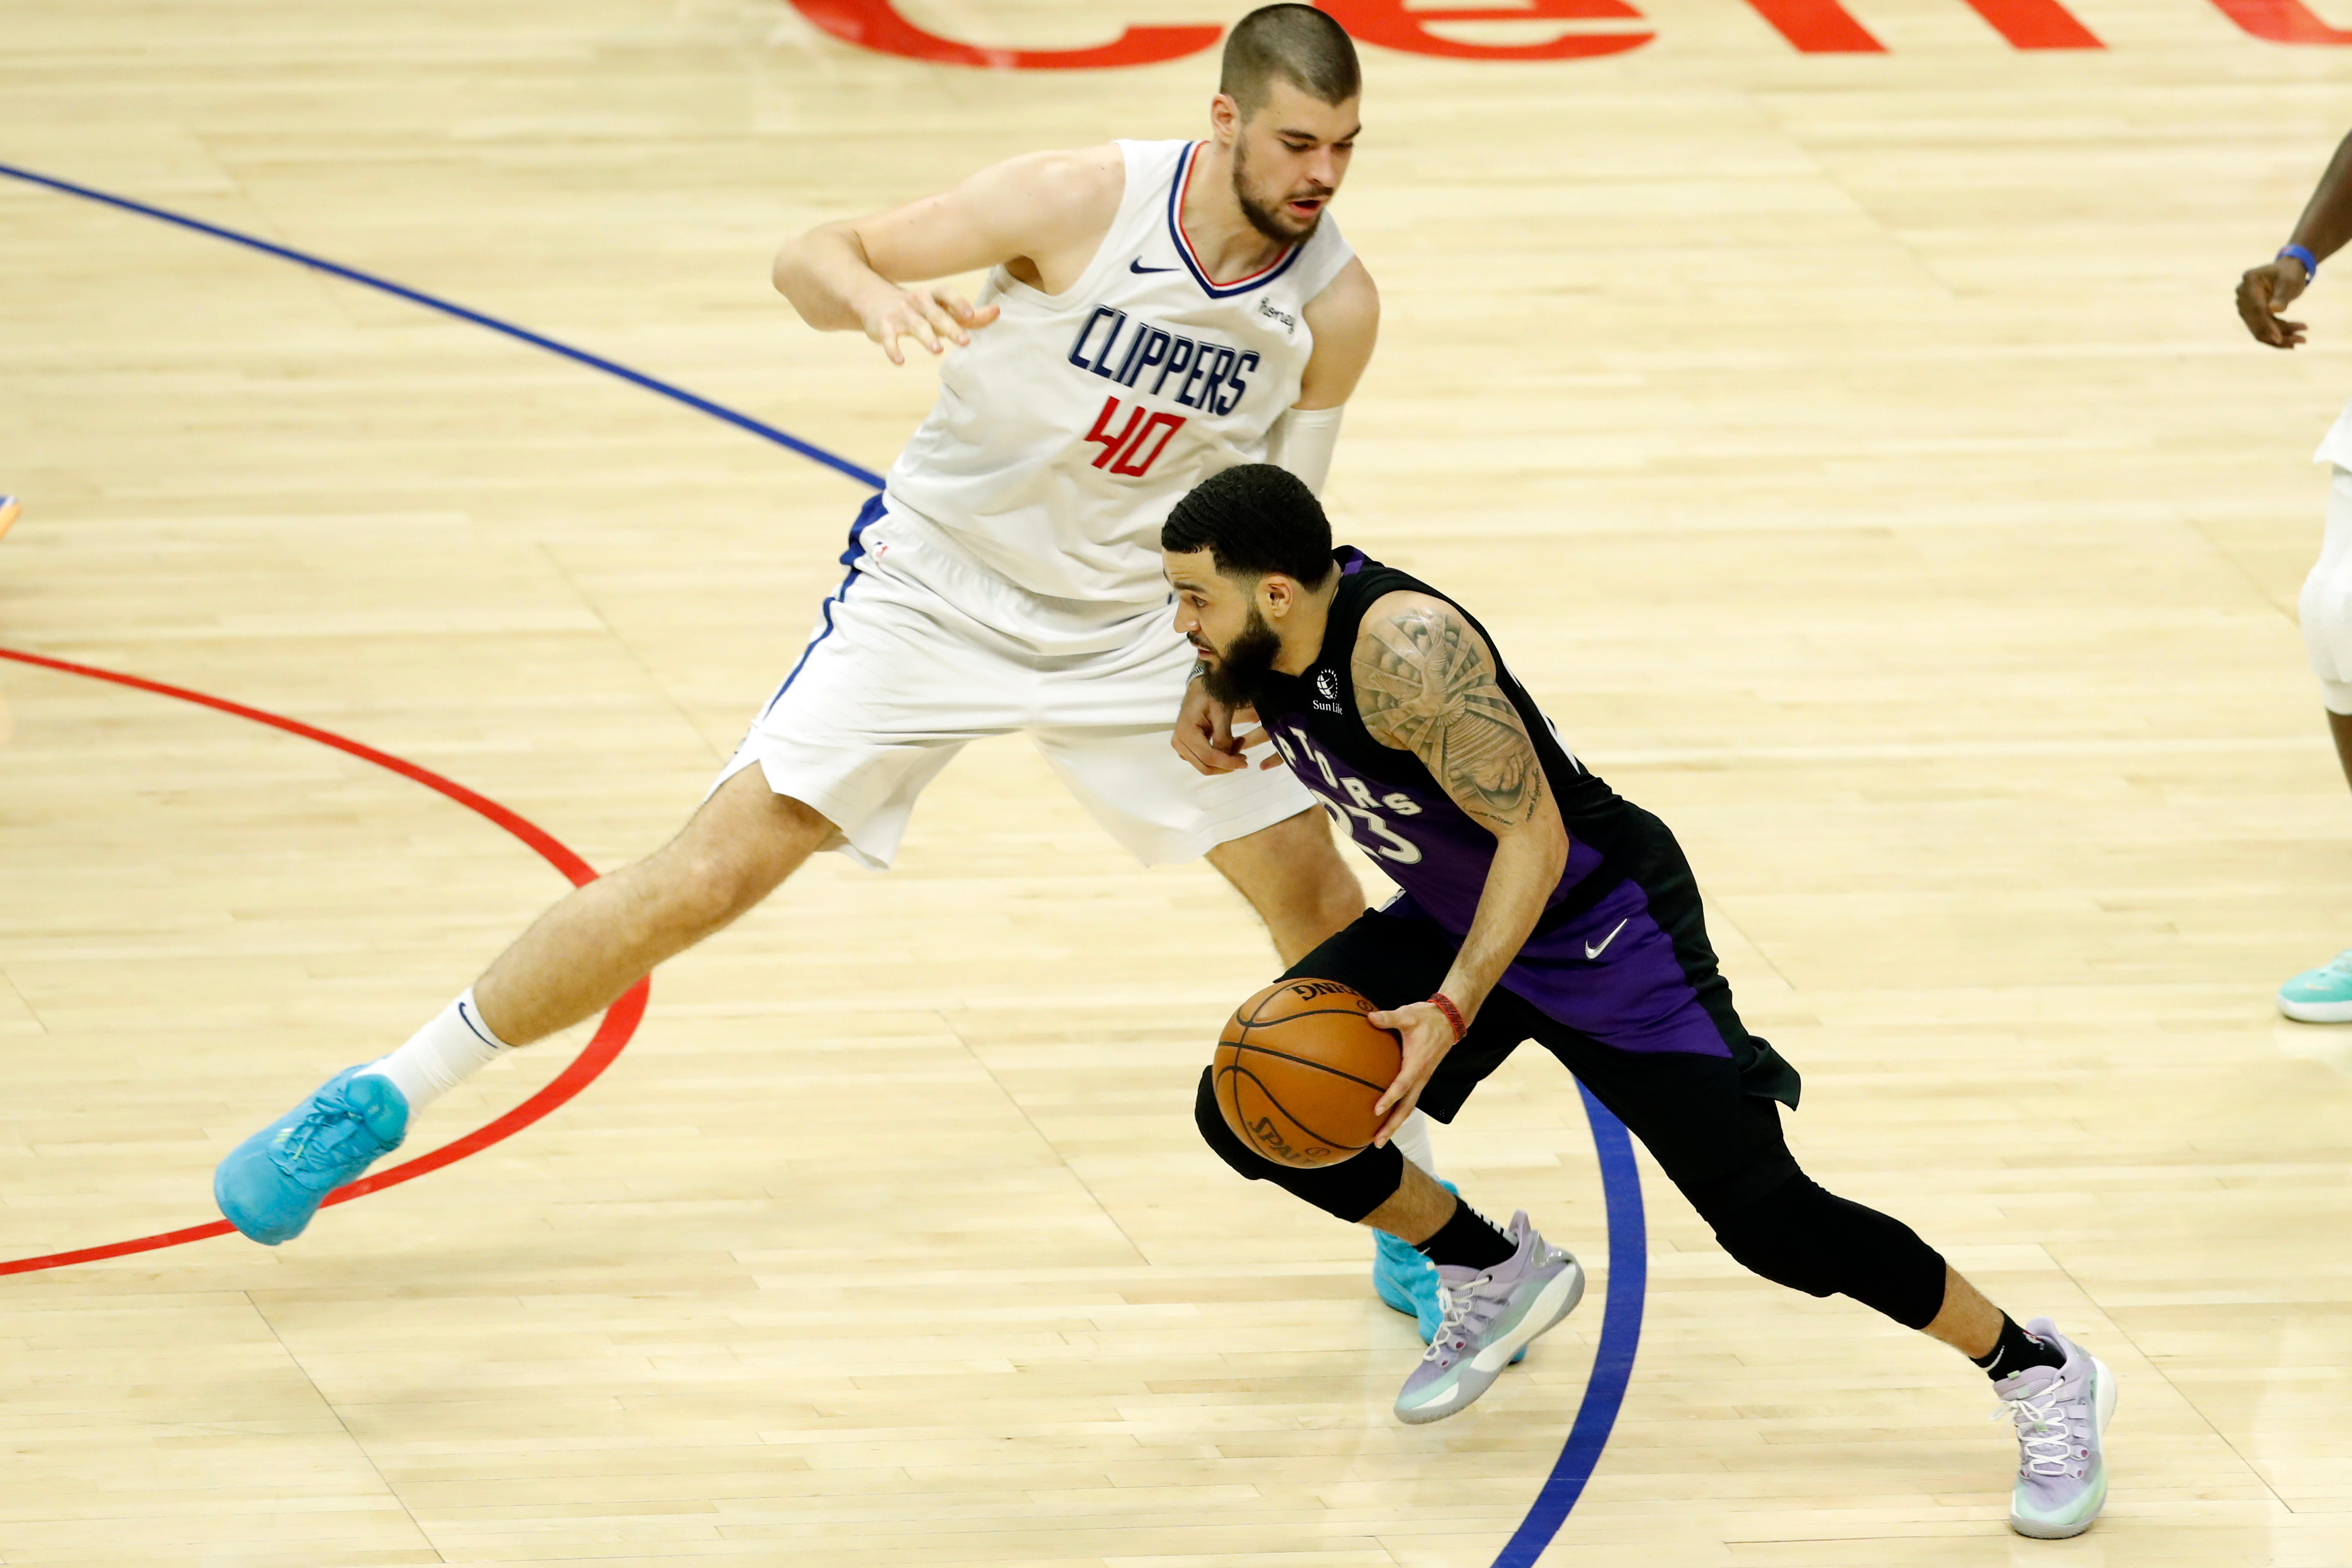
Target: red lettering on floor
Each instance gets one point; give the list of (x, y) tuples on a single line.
[(1387, 24), (876, 24), (2281, 22)]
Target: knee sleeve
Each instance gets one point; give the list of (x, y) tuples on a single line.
[(1348, 1189), (1814, 1241)]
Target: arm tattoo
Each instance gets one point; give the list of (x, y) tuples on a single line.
[(1426, 684)]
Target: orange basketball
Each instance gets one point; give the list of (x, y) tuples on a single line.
[(1297, 1069)]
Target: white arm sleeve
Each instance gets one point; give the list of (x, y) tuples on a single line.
[(1302, 440)]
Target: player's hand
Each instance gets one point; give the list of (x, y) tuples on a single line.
[(2266, 290), (1204, 734), (1427, 1035), (934, 317)]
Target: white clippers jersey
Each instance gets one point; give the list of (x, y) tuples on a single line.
[(1068, 430)]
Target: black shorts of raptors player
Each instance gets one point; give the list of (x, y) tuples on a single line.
[(1709, 1119)]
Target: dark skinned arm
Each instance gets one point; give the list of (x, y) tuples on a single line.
[(2324, 227)]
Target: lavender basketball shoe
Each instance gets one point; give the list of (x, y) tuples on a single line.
[(2060, 1415), (1407, 1281), (1487, 1320)]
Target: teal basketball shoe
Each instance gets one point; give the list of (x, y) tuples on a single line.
[(2321, 996), (272, 1184)]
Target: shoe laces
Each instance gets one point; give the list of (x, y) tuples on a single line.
[(1464, 1312), (2339, 964), (2045, 1436), (321, 1140)]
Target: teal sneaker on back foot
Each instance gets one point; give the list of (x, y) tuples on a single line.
[(2322, 996), (1407, 1281), (272, 1184)]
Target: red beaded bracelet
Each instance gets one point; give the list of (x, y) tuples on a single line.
[(1452, 1015)]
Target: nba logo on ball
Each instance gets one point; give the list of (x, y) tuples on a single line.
[(1298, 1069)]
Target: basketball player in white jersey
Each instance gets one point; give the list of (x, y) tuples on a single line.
[(2321, 996), (1154, 312)]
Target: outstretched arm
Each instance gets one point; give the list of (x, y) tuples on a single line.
[(1426, 683), (1042, 214), (2325, 225)]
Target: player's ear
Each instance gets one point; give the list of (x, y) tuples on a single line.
[(1276, 595), (1224, 119)]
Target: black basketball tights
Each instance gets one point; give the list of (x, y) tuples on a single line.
[(1766, 1213)]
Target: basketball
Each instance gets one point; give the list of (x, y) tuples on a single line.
[(1297, 1069)]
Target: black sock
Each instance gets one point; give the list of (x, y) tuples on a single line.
[(2015, 1351), (1467, 1240)]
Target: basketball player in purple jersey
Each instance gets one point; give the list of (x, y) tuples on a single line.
[(1154, 312), (1538, 904)]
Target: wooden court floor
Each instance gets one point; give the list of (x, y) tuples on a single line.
[(1855, 451)]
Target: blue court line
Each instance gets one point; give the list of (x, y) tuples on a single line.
[(766, 432), (1620, 1179), (1620, 1337)]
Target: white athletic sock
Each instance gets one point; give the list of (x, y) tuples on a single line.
[(454, 1046), (1411, 1141)]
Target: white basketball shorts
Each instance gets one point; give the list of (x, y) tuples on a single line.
[(920, 650), (2325, 607)]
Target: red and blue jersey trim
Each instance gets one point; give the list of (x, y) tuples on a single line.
[(1210, 286)]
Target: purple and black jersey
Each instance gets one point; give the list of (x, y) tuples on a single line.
[(1388, 801), (1620, 953)]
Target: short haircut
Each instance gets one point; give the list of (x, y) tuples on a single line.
[(1254, 519), (1297, 43)]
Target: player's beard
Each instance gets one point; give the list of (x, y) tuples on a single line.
[(1269, 219), (1237, 677)]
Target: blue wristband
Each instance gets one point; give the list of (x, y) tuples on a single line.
[(2310, 262)]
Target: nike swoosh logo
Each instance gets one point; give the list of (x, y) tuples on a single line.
[(467, 1019), (1595, 948), (1137, 265)]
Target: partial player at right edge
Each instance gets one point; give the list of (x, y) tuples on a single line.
[(1539, 904), (2321, 996)]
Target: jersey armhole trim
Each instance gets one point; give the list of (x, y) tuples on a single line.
[(1002, 276), (1327, 266)]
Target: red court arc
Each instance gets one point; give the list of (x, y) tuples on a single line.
[(620, 1021)]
